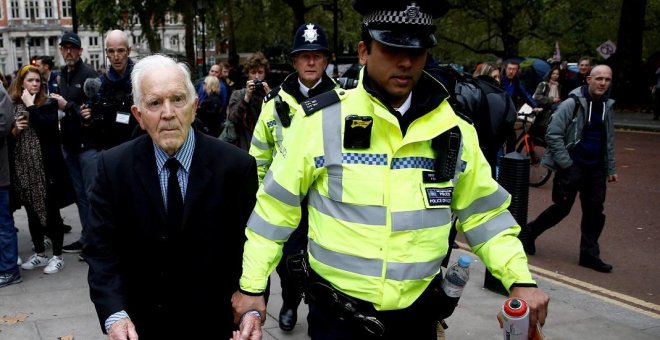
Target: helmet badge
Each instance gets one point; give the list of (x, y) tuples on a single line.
[(412, 11), (310, 33)]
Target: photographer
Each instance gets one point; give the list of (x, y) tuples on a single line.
[(245, 104), (107, 121)]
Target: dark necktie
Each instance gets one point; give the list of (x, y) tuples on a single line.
[(174, 197)]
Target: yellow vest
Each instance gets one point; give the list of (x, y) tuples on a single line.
[(377, 231)]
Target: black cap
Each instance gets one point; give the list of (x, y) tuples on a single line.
[(70, 38), (401, 23), (310, 37)]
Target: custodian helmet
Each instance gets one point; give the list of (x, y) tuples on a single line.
[(310, 37)]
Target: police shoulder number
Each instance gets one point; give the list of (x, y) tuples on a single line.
[(314, 104)]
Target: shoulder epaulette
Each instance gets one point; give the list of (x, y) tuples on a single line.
[(272, 94), (314, 104)]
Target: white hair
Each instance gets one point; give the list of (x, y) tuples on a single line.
[(158, 62)]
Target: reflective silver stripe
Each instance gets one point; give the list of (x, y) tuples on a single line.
[(261, 162), (259, 144), (267, 230), (412, 271), (483, 204), (278, 192), (278, 125), (350, 263), (332, 149), (373, 267), (420, 219), (487, 230), (362, 214)]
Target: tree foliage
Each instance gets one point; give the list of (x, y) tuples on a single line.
[(472, 31)]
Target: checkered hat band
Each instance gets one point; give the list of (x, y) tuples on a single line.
[(397, 17)]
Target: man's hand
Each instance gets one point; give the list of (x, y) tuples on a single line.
[(85, 112), (61, 102), (250, 325), (244, 303), (612, 178), (250, 328), (123, 329), (537, 301)]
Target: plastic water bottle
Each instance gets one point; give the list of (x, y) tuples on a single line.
[(452, 287), (456, 277)]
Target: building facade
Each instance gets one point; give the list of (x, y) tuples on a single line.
[(34, 27)]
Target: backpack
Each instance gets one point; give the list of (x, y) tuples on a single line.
[(488, 106), (540, 125)]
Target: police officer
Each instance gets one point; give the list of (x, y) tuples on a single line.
[(390, 164), (310, 59)]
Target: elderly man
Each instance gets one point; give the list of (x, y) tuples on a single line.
[(158, 200), (108, 122), (384, 166)]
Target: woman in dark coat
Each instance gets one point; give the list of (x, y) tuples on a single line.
[(37, 168), (210, 111)]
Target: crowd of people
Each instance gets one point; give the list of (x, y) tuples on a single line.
[(358, 186)]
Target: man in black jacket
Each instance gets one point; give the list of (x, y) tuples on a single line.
[(70, 101)]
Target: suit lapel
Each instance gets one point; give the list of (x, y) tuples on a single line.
[(147, 175)]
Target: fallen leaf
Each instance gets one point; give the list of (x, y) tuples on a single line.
[(66, 337), (12, 319)]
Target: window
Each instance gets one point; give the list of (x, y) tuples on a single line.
[(2, 41), (137, 40), (52, 41), (36, 41), (19, 60), (18, 42), (174, 41), (31, 9), (95, 61), (93, 41), (66, 8), (15, 11), (48, 9)]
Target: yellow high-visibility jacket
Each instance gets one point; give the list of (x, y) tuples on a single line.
[(377, 230), (269, 131)]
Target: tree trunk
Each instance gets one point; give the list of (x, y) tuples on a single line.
[(233, 57), (629, 84)]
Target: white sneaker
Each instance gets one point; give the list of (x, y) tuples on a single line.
[(47, 243), (20, 261), (55, 264), (34, 261)]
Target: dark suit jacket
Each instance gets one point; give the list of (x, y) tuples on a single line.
[(167, 281)]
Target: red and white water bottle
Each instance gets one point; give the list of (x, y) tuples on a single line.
[(516, 319)]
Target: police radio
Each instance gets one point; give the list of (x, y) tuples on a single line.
[(446, 147)]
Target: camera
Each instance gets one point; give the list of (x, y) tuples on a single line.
[(258, 83)]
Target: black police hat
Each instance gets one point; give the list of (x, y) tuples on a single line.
[(401, 23), (310, 37), (70, 38)]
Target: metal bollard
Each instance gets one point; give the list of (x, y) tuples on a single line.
[(514, 177)]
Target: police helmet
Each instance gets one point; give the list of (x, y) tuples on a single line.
[(401, 23), (310, 37)]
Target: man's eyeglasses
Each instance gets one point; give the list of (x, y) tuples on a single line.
[(119, 51), (69, 48)]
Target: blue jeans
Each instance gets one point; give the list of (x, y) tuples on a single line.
[(8, 238), (82, 169)]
